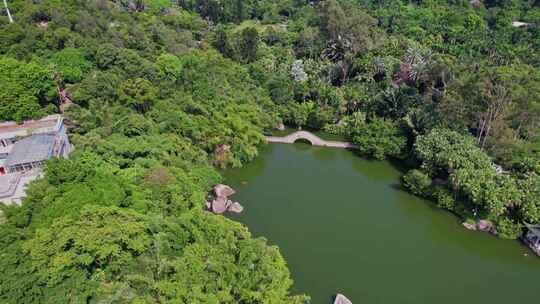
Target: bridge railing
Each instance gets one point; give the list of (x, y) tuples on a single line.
[(312, 138)]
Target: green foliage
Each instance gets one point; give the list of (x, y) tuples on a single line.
[(85, 248), (157, 5), (417, 182), (71, 64), (472, 175), (380, 138), (164, 90), (138, 93), (508, 229), (248, 44), (450, 151), (122, 220), (169, 67), (297, 114), (25, 86), (444, 198), (106, 55)]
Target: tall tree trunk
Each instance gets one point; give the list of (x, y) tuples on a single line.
[(489, 121), (8, 13), (497, 105), (482, 125)]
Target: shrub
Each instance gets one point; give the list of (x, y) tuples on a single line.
[(417, 182), (508, 229), (444, 198), (381, 138)]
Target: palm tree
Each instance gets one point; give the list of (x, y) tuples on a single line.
[(8, 13), (418, 61)]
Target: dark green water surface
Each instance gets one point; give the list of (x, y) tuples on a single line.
[(344, 225)]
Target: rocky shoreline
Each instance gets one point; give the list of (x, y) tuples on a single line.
[(218, 201), (481, 225)]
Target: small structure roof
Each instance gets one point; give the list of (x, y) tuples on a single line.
[(520, 24), (33, 148), (534, 229)]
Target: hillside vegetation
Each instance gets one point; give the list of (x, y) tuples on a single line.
[(166, 93)]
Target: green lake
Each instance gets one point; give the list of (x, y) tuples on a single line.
[(344, 225)]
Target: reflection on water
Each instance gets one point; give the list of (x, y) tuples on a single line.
[(344, 224)]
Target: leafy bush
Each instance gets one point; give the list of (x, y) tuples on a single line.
[(380, 138), (444, 198), (508, 228), (25, 88), (417, 182), (71, 64)]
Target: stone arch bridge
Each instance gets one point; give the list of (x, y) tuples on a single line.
[(310, 137)]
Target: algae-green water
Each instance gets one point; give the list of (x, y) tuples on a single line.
[(344, 225)]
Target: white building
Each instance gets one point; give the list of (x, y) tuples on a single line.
[(24, 148)]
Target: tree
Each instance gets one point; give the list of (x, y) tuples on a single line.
[(25, 87), (395, 102), (71, 64), (417, 182), (489, 99), (169, 67), (444, 151), (248, 44), (347, 34), (138, 93), (106, 55), (92, 248), (280, 89), (157, 5), (380, 138), (221, 41)]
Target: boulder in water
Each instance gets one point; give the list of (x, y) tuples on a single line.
[(486, 226), (236, 208), (220, 205), (341, 299), (223, 190), (469, 226)]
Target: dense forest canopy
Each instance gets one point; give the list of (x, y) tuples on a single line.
[(167, 92)]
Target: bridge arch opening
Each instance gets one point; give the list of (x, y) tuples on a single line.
[(303, 141)]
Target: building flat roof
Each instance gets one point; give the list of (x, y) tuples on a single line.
[(34, 148), (47, 124)]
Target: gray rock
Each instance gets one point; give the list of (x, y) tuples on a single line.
[(236, 207), (469, 226), (223, 190), (219, 205), (341, 299), (484, 225)]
